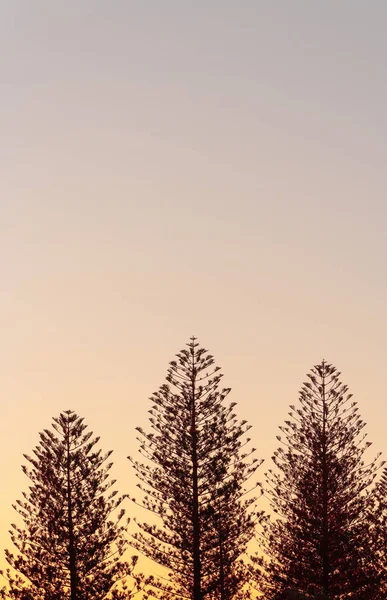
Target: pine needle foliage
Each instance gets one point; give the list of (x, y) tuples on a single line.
[(381, 511), (73, 536), (323, 542), (197, 464)]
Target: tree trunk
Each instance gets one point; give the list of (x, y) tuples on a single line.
[(325, 529), (197, 592), (72, 550), (221, 568)]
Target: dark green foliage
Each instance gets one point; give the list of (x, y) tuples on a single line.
[(324, 541), (71, 544), (193, 481)]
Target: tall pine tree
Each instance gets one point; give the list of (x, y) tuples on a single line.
[(73, 536), (323, 543), (381, 512), (193, 480)]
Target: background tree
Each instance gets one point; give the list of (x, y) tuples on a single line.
[(381, 512), (324, 541), (71, 544), (193, 480)]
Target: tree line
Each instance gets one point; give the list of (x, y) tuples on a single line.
[(324, 537)]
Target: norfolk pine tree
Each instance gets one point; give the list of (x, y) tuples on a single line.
[(71, 544), (324, 542), (193, 480), (381, 516)]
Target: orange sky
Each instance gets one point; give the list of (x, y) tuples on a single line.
[(169, 170)]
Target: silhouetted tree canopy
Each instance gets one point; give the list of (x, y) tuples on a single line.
[(324, 541), (73, 535), (193, 479), (381, 510)]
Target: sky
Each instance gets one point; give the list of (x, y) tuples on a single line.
[(170, 169)]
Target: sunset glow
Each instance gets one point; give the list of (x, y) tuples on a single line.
[(171, 169)]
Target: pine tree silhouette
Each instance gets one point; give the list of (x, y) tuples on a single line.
[(71, 544), (323, 542), (193, 480)]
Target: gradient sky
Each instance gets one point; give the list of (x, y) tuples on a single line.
[(174, 168)]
